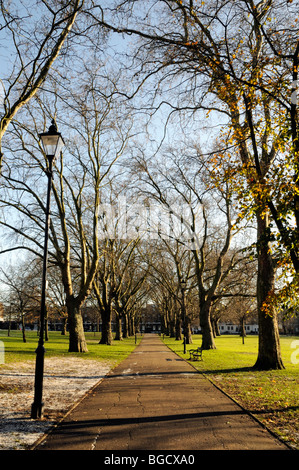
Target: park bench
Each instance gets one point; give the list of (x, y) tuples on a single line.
[(195, 354)]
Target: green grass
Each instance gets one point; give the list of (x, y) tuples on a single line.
[(17, 351), (271, 396)]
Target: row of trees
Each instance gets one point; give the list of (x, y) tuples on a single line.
[(233, 65), (122, 290)]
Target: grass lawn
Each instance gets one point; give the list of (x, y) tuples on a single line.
[(271, 396), (17, 351)]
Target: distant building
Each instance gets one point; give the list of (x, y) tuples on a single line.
[(231, 329), (150, 319)]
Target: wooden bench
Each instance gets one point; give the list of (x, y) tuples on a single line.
[(195, 354)]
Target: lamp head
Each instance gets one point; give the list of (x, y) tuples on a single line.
[(52, 141)]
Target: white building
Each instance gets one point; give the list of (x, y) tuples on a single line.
[(231, 329)]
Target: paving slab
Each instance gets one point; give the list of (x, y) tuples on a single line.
[(155, 400)]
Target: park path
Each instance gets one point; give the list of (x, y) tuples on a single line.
[(155, 400)]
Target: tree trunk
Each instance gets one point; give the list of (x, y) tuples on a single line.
[(106, 326), (119, 331), (206, 327), (64, 323), (170, 330), (23, 328), (77, 342), (216, 327), (125, 326), (187, 331), (269, 355), (132, 326), (178, 329), (242, 328), (165, 323)]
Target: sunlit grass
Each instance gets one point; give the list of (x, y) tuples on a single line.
[(272, 396), (15, 350)]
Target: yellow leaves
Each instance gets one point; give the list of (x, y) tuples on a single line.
[(191, 43), (285, 297)]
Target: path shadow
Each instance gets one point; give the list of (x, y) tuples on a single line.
[(73, 425), (152, 374)]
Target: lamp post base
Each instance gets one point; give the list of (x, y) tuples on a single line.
[(37, 410), (37, 407)]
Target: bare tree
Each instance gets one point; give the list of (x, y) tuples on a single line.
[(80, 176), (23, 293), (34, 46), (193, 207), (122, 271), (172, 270)]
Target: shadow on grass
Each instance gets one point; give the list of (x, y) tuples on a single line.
[(31, 350), (227, 371), (274, 410)]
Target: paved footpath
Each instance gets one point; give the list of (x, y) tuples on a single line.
[(155, 400)]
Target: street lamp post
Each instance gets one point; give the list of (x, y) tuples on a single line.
[(52, 143), (183, 286)]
